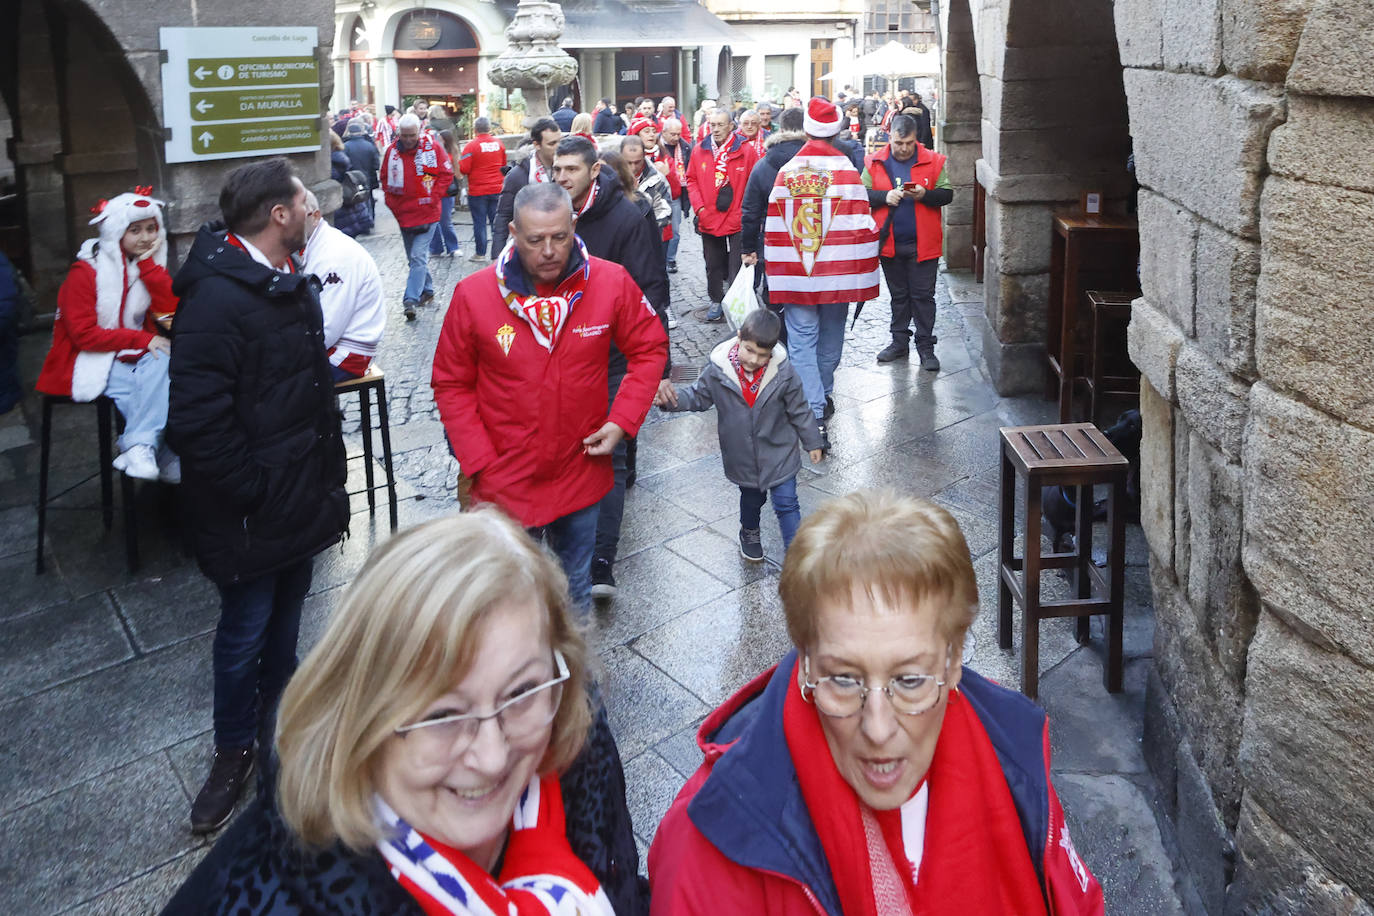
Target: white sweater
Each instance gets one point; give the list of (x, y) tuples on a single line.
[(351, 298)]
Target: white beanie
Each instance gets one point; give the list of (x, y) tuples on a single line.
[(822, 118), (115, 216)]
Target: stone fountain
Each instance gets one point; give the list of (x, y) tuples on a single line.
[(533, 61)]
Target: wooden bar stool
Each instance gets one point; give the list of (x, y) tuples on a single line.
[(1109, 308), (1078, 455), (370, 382), (106, 416)]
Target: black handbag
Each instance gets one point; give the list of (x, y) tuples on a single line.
[(725, 196), (453, 188)]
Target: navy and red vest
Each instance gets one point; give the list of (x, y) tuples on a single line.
[(926, 171)]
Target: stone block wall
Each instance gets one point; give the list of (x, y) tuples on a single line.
[(1253, 121)]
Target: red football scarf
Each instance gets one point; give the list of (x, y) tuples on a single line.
[(540, 874), (749, 382), (721, 151), (974, 859), (545, 315)]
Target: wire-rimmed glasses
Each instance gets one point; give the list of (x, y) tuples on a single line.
[(841, 696), (519, 718)]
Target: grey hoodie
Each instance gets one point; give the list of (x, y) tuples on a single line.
[(758, 445)]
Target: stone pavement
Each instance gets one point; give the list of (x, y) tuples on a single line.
[(105, 687)]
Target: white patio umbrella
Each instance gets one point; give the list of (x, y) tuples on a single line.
[(893, 60)]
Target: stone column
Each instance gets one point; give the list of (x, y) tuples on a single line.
[(595, 85), (38, 144), (608, 74), (960, 135)]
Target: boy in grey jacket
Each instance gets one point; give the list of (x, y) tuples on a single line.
[(761, 414)]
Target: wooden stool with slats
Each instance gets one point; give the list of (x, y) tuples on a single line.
[(1071, 455)]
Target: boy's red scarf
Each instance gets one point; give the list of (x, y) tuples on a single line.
[(974, 859), (749, 382)]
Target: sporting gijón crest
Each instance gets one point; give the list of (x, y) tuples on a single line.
[(808, 212)]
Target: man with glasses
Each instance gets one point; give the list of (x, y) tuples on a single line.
[(871, 771)]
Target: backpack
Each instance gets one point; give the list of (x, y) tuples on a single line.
[(355, 187)]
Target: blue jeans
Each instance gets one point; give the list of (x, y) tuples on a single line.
[(483, 208), (445, 239), (815, 336), (572, 539), (785, 506), (677, 229), (416, 239), (255, 650), (139, 390)]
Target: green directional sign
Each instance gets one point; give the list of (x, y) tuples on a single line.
[(253, 137), (252, 104), (224, 72)]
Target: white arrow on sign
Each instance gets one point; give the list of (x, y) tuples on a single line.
[(206, 137), (203, 106), (201, 73)]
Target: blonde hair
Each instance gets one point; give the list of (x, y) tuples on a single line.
[(400, 638), (897, 548), (582, 124)]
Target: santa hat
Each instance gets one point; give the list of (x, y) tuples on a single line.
[(115, 216), (822, 118), (639, 124)]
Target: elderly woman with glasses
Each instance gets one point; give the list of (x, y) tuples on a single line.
[(434, 750), (870, 773)]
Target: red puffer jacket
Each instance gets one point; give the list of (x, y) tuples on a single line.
[(516, 414), (420, 203), (701, 183)]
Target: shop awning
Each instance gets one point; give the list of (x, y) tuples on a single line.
[(644, 24)]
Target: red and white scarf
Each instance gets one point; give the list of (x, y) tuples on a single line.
[(540, 875), (956, 847), (394, 166), (721, 152), (546, 315), (538, 174), (749, 382), (757, 142)]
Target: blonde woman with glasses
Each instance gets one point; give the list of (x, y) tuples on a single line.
[(434, 750), (870, 773)]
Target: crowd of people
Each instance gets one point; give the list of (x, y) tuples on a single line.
[(869, 772)]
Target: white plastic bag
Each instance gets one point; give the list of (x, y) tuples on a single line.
[(739, 298)]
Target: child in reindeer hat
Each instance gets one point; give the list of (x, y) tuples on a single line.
[(106, 339)]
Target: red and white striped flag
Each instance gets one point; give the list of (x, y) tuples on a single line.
[(820, 241)]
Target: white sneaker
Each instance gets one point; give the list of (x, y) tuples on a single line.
[(672, 320), (140, 463), (120, 462), (169, 468)]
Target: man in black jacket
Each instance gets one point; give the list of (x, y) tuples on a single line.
[(252, 415), (614, 228), (538, 168)]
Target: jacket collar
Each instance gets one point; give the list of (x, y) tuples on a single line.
[(519, 283), (211, 254)]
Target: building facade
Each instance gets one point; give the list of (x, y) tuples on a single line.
[(1250, 124), (783, 45)]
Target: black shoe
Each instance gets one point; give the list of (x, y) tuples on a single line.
[(825, 439), (228, 775), (603, 582), (898, 349), (751, 545), (929, 362), (410, 309), (672, 267), (427, 298), (829, 410)]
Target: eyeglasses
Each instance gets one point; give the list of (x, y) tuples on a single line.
[(520, 718), (841, 696)]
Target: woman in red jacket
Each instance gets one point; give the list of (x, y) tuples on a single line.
[(870, 773), (106, 340)]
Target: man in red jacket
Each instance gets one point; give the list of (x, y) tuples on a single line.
[(416, 171), (520, 377), (716, 177), (482, 160)]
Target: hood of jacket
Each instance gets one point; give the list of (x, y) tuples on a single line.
[(783, 136), (212, 255), (720, 358)]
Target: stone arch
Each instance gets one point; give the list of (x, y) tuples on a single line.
[(85, 128), (961, 135), (487, 25)]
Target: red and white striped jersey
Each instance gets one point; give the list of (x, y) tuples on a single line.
[(820, 241)]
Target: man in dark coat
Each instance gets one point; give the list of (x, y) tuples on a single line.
[(252, 415), (614, 228), (607, 121), (364, 157), (538, 168), (564, 115)]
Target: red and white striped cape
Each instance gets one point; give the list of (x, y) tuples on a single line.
[(820, 241)]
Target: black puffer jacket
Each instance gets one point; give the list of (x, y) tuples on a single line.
[(257, 868), (252, 414)]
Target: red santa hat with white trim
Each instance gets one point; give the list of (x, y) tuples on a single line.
[(822, 118)]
